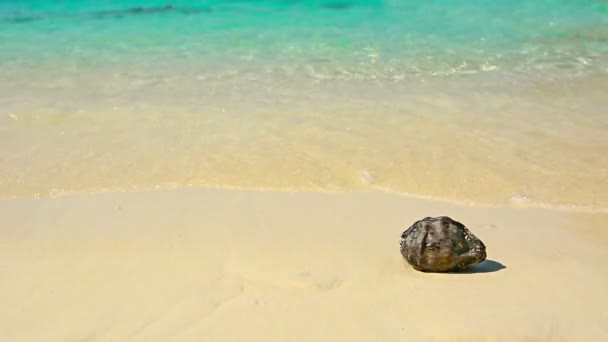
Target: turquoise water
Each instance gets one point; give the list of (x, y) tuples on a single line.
[(480, 101), (337, 38)]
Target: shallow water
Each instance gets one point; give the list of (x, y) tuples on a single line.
[(488, 102)]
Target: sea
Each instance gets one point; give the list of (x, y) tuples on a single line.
[(483, 102)]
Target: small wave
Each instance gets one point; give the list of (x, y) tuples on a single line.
[(516, 201)]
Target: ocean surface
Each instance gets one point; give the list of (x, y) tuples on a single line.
[(478, 101)]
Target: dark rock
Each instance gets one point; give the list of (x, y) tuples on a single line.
[(441, 244)]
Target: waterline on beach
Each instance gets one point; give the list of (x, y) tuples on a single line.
[(542, 145)]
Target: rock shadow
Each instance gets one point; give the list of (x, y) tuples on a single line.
[(486, 266)]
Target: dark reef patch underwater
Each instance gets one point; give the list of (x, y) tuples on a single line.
[(20, 14)]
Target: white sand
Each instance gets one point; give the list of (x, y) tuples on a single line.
[(221, 265)]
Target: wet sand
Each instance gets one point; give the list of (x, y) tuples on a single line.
[(228, 265)]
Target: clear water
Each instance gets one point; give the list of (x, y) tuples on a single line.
[(335, 39), (478, 101)]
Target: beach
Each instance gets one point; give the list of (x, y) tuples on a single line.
[(229, 265), (235, 170)]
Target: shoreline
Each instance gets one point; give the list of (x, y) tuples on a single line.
[(501, 145), (217, 264), (513, 203)]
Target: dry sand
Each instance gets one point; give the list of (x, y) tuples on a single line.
[(223, 265)]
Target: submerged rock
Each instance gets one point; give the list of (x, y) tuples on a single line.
[(440, 244)]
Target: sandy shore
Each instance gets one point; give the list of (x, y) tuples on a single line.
[(223, 265)]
